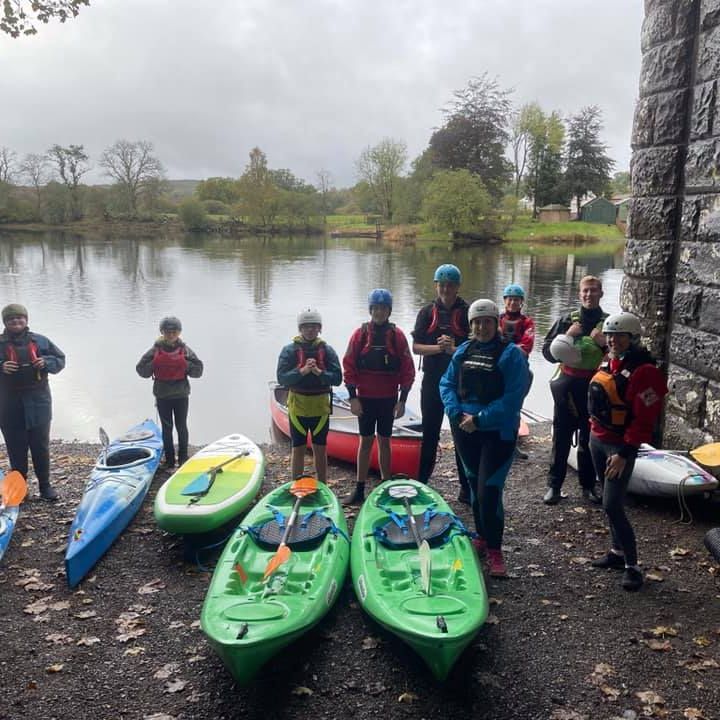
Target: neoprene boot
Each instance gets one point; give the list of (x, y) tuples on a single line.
[(47, 491), (552, 496), (611, 560), (357, 496), (632, 579)]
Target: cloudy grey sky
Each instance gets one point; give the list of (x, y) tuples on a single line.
[(311, 82)]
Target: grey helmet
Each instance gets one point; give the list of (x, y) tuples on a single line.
[(309, 316)]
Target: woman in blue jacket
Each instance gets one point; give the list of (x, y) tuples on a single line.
[(482, 391)]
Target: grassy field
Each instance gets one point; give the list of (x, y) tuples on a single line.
[(528, 230)]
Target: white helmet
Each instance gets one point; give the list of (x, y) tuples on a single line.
[(483, 308), (564, 350), (623, 322), (309, 316)]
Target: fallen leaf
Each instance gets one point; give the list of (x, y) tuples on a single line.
[(610, 693), (546, 602), (564, 617), (580, 510), (301, 690), (580, 560), (677, 552), (166, 671), (659, 645), (59, 639), (36, 585), (537, 573), (660, 631), (407, 697), (137, 650), (159, 716), (492, 619), (130, 635), (173, 686), (370, 643), (563, 714), (54, 668), (656, 577), (61, 605), (88, 640), (176, 624), (693, 713), (152, 587), (649, 697), (700, 665), (85, 614), (37, 607), (495, 601), (702, 641)]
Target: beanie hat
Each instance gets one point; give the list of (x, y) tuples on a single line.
[(13, 310)]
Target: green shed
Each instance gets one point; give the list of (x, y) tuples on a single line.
[(599, 210)]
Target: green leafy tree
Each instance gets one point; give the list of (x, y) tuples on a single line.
[(475, 133), (134, 168), (620, 183), (588, 164), (411, 189), (284, 179), (456, 200), (546, 136), (192, 214), (56, 203), (224, 190), (19, 15), (380, 167), (71, 163), (259, 196)]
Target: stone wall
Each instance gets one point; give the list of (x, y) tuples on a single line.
[(672, 256)]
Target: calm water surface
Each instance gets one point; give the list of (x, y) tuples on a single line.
[(100, 300)]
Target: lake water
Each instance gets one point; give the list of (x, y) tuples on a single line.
[(100, 301)]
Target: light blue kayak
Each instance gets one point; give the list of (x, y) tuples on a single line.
[(113, 495), (8, 518)]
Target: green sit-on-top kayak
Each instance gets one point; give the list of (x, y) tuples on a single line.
[(386, 570), (248, 620)]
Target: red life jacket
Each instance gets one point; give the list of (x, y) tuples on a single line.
[(24, 355), (454, 323), (303, 351), (169, 364), (377, 357)]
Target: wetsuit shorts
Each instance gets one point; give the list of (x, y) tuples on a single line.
[(316, 426), (377, 412)]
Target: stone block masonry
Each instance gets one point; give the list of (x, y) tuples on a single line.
[(672, 256)]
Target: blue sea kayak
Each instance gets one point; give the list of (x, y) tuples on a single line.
[(117, 486)]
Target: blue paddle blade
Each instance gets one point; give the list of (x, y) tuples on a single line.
[(198, 486)]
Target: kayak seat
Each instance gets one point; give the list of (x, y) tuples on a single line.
[(305, 534), (396, 532)]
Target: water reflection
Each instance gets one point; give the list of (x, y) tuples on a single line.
[(100, 299)]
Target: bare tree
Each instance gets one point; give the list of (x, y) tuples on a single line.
[(380, 166), (34, 169), (7, 164), (18, 15), (133, 167), (71, 164), (324, 183)]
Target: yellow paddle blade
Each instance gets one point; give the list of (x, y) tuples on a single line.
[(708, 455), (13, 488), (303, 486), (279, 558)]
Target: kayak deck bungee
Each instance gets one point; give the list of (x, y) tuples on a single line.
[(233, 469), (117, 486), (387, 574), (248, 620), (343, 435)]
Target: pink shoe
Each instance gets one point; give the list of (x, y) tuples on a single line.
[(496, 563), (480, 546)]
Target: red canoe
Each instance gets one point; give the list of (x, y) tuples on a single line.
[(343, 438)]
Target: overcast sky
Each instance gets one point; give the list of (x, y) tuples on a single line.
[(311, 82)]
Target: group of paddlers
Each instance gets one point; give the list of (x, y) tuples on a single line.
[(608, 390)]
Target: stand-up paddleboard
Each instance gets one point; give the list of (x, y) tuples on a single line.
[(212, 487)]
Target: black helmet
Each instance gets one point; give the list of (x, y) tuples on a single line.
[(170, 323)]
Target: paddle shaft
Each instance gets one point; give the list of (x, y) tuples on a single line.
[(413, 524), (213, 470), (291, 521)]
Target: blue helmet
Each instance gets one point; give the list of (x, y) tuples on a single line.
[(448, 273), (380, 296), (514, 290)]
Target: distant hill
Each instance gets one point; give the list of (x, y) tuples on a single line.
[(181, 189)]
